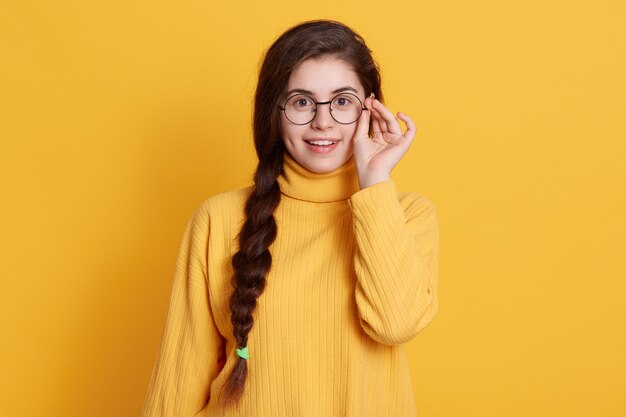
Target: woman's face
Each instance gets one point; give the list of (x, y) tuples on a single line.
[(321, 79)]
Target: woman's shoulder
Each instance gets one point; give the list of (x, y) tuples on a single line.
[(226, 203), (228, 199)]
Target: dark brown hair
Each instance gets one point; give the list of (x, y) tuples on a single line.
[(312, 39)]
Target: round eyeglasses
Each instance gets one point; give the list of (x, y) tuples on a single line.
[(345, 108)]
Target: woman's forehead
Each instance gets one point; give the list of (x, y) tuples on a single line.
[(324, 76)]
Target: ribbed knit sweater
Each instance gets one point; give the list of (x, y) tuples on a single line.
[(354, 276)]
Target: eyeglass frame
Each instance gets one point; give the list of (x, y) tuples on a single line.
[(282, 108)]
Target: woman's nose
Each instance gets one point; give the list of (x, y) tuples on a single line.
[(322, 119)]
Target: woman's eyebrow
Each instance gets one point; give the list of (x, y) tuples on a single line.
[(303, 91)]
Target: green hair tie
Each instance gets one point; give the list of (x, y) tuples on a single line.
[(243, 353)]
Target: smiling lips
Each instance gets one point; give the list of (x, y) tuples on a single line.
[(322, 145), (321, 142)]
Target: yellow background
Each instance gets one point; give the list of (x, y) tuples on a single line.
[(118, 118)]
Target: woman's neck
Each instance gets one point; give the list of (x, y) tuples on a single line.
[(300, 183)]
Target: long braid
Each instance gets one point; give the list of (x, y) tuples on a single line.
[(253, 261)]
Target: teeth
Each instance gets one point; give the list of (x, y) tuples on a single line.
[(321, 142)]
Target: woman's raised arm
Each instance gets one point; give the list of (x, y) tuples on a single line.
[(396, 262)]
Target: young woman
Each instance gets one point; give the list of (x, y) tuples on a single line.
[(294, 296)]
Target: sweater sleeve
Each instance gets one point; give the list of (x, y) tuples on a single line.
[(188, 358), (396, 262)]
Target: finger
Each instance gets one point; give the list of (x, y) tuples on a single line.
[(380, 121), (374, 126), (376, 129), (392, 139), (363, 124), (411, 129), (392, 123)]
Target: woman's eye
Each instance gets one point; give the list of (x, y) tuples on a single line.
[(302, 102), (342, 101)]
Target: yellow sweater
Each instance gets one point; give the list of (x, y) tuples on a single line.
[(354, 276)]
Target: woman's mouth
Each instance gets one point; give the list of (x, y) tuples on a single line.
[(322, 145)]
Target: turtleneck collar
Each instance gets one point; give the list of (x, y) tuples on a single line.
[(300, 183)]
